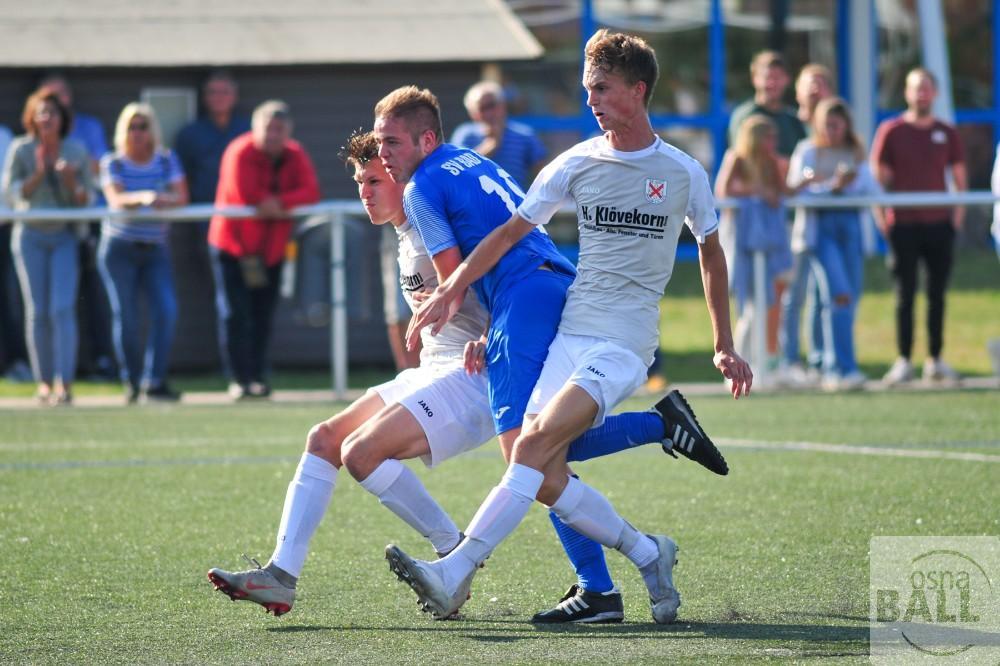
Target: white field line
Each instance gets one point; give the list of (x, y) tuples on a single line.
[(860, 450)]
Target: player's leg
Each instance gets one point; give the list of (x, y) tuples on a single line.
[(524, 342), (306, 501), (538, 470)]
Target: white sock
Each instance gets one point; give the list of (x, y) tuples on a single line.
[(399, 489), (586, 511), (502, 510), (305, 503), (589, 513)]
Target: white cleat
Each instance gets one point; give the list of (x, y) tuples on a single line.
[(432, 595), (665, 600)]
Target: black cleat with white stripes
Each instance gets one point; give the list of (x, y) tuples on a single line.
[(685, 436), (579, 605)]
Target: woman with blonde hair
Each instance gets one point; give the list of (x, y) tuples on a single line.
[(834, 162), (754, 172), (134, 256), (46, 169)]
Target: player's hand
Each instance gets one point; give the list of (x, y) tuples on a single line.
[(736, 370), (475, 356), (419, 296), (435, 312)]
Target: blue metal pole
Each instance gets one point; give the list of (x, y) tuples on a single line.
[(996, 72), (587, 28), (717, 83), (843, 37)]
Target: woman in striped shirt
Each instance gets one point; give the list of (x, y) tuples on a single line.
[(134, 254)]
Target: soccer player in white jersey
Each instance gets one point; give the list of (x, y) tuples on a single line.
[(433, 412), (632, 193)]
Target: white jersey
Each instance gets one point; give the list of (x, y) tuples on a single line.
[(416, 273), (630, 207)]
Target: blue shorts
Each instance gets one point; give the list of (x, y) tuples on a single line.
[(524, 322)]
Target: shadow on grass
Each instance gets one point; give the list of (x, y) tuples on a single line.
[(854, 640)]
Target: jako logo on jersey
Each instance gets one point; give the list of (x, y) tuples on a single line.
[(501, 412), (656, 190), (597, 372), (427, 410), (590, 189)]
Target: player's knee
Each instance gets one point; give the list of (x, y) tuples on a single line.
[(359, 456), (325, 441), (533, 448), (550, 491)]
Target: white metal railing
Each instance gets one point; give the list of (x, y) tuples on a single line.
[(336, 212)]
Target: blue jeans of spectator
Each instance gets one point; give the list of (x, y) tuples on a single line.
[(131, 272), (245, 318), (792, 302), (48, 268), (840, 255)]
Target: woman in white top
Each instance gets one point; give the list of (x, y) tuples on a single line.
[(834, 160)]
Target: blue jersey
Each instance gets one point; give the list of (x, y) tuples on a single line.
[(456, 197)]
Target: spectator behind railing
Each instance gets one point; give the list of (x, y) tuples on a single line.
[(13, 352), (134, 255), (833, 162), (754, 172), (264, 168), (95, 356), (770, 79), (814, 84), (44, 169), (912, 153)]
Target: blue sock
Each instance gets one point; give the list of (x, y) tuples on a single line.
[(586, 556), (617, 433)]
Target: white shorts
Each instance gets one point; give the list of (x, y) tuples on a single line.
[(451, 406), (607, 372)]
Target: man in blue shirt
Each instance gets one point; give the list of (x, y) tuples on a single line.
[(200, 144), (512, 145)]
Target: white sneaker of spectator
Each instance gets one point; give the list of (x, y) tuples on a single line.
[(993, 347), (852, 381), (936, 370), (900, 373), (794, 375)]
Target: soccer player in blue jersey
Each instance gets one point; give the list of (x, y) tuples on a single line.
[(455, 198)]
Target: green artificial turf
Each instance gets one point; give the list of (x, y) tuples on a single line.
[(109, 519)]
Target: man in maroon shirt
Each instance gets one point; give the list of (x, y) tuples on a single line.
[(911, 154), (266, 169)]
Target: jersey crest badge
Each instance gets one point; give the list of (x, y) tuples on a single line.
[(656, 190)]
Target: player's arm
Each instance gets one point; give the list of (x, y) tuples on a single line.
[(715, 280), (441, 306)]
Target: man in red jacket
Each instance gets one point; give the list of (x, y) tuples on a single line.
[(266, 169)]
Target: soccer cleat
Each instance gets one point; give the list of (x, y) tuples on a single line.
[(580, 605), (432, 596), (685, 436), (665, 599), (256, 585)]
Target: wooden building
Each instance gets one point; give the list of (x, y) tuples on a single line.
[(331, 60)]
